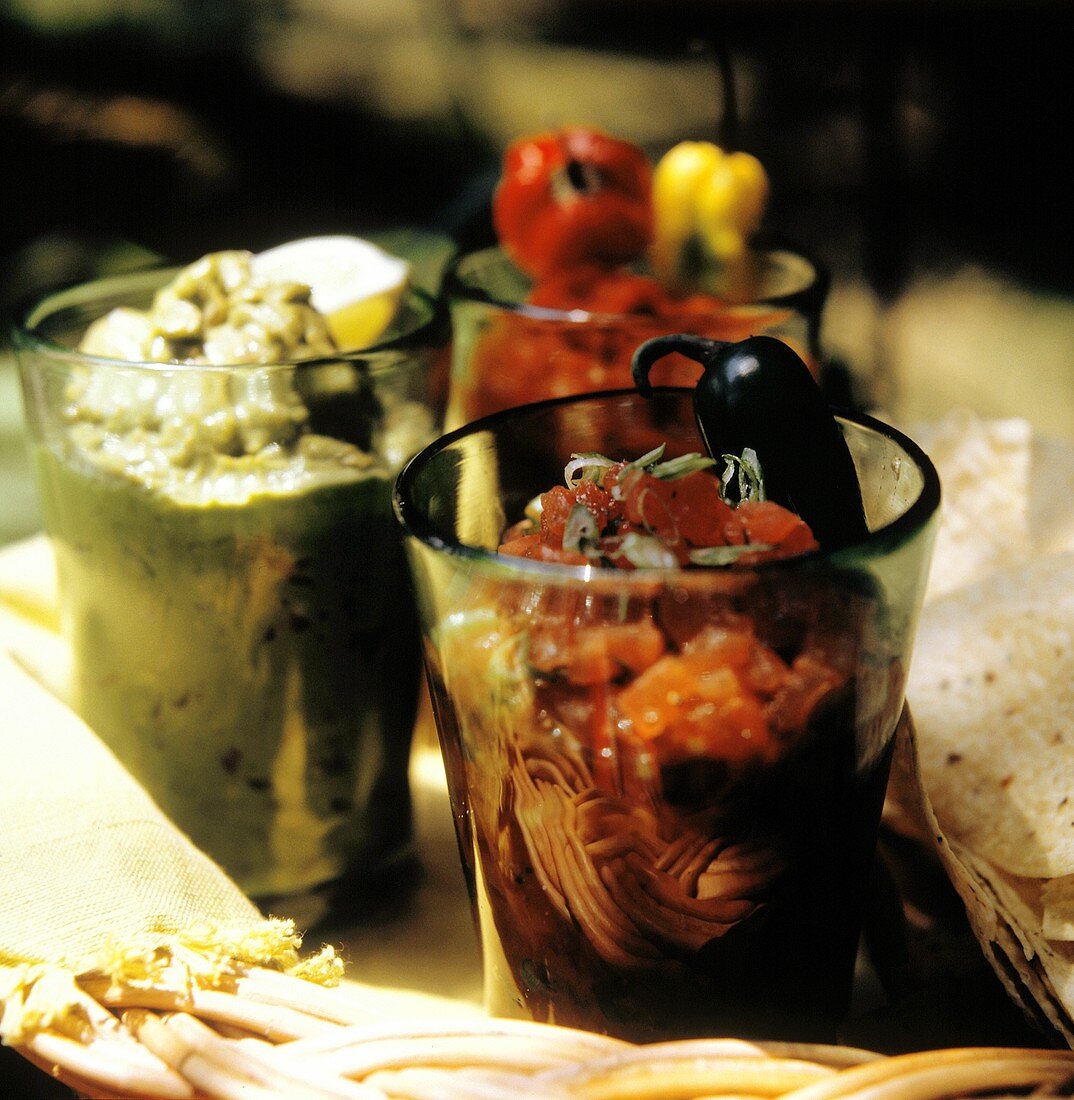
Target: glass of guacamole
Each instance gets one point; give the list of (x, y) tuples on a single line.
[(666, 718), (215, 478)]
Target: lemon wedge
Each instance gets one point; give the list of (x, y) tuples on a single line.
[(355, 285)]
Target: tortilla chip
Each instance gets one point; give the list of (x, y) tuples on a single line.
[(984, 468), (1002, 917), (1004, 912), (1057, 905), (1051, 498), (992, 693)]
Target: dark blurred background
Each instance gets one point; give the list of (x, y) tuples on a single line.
[(919, 149), (182, 124)]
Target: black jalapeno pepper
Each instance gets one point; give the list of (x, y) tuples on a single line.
[(758, 393)]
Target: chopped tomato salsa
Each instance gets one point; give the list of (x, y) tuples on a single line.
[(655, 513), (718, 693), (661, 769), (519, 358)]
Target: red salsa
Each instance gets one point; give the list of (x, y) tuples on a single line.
[(664, 783), (518, 358), (653, 513)]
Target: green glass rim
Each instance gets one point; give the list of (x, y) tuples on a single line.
[(428, 330), (877, 542)]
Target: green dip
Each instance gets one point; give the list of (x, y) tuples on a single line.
[(236, 595)]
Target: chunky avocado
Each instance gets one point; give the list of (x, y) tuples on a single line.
[(236, 596)]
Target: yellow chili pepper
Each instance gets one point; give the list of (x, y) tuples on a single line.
[(703, 194)]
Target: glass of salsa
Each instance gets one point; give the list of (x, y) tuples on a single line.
[(666, 780), (233, 587), (576, 334)]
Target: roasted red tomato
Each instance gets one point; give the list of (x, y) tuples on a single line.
[(571, 197)]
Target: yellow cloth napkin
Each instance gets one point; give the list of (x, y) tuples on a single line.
[(94, 876), (84, 848), (29, 613)]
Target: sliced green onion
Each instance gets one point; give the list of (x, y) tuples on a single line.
[(725, 555), (646, 552), (580, 532), (534, 509), (682, 466), (650, 458), (590, 465), (750, 477)]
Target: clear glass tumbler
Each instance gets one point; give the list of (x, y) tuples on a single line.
[(507, 352), (666, 783), (233, 586)]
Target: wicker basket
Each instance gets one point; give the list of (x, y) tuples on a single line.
[(270, 1035)]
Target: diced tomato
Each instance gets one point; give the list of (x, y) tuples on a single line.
[(624, 292), (613, 476), (599, 501), (765, 672), (807, 686), (720, 645), (701, 510), (636, 645), (652, 700), (646, 505), (734, 730), (516, 530), (596, 654), (733, 530), (522, 546), (687, 510), (563, 557), (566, 289), (556, 506), (701, 702), (706, 671), (534, 548), (771, 524)]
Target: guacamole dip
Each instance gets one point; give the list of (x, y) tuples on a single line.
[(231, 578)]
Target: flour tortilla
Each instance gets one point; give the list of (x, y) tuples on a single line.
[(1051, 497), (1006, 921), (992, 693), (984, 468), (1057, 908), (1003, 918)]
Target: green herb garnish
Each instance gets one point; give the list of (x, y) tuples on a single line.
[(646, 552), (586, 466), (725, 555), (533, 510), (682, 466), (581, 532), (650, 458), (750, 477)]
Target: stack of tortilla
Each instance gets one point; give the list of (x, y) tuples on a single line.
[(992, 695)]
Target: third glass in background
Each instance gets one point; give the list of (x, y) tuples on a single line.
[(666, 783), (508, 351)]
